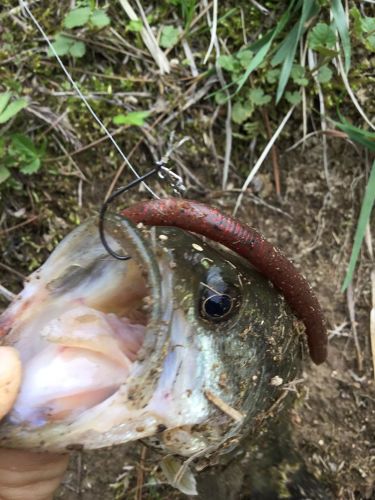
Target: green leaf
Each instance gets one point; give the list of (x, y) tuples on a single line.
[(370, 42), (258, 97), (328, 53), (321, 35), (367, 28), (324, 74), (2, 146), (339, 17), (357, 21), (61, 45), (288, 49), (188, 8), (257, 60), (31, 167), (4, 99), (133, 118), (220, 97), (363, 137), (298, 75), (77, 49), (24, 145), (293, 97), (261, 48), (364, 217), (272, 75), (169, 37), (241, 111), (4, 173), (12, 109), (135, 26), (368, 24), (244, 57), (99, 18), (284, 47), (251, 129), (228, 63), (77, 17)]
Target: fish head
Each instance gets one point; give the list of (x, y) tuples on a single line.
[(180, 344)]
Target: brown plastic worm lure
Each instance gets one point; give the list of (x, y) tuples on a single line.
[(250, 244)]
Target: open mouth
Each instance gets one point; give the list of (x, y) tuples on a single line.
[(108, 352), (80, 324)]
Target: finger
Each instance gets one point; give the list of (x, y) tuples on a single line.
[(10, 378), (27, 475)]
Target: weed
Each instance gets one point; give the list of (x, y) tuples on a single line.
[(18, 153), (84, 16)]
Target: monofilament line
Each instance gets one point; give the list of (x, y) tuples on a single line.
[(76, 88)]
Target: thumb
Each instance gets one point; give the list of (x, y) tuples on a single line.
[(10, 378)]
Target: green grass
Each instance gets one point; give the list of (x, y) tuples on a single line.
[(364, 217), (264, 74)]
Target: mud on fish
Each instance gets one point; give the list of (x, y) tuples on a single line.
[(179, 345)]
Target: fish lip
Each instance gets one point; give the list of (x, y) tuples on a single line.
[(142, 379)]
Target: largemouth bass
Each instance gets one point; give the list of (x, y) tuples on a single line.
[(182, 341)]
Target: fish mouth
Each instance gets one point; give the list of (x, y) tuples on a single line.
[(92, 334)]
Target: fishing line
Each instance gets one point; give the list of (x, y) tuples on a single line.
[(160, 167), (24, 5)]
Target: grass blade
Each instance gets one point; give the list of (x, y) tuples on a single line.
[(12, 109), (342, 27), (364, 216), (4, 99), (262, 47), (261, 159), (257, 59), (288, 48), (213, 31), (363, 137)]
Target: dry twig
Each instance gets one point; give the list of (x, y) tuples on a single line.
[(13, 271), (140, 474), (21, 224), (147, 36), (236, 415), (323, 121), (261, 159), (213, 28), (7, 294)]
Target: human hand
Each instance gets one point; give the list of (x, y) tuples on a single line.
[(10, 378), (24, 475)]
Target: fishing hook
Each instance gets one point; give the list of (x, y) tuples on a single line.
[(159, 165), (162, 170)]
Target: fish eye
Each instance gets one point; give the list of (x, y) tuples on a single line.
[(219, 293), (216, 306)]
